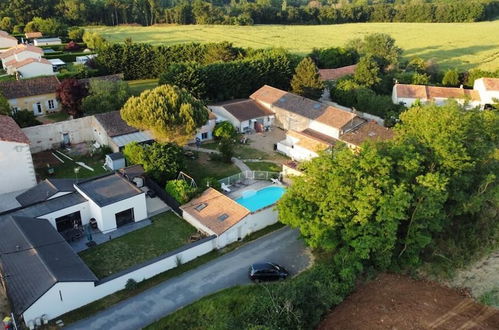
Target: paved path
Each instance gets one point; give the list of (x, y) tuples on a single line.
[(282, 246)]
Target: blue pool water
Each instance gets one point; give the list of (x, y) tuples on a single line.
[(254, 200)]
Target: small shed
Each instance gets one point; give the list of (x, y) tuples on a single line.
[(47, 41), (115, 161), (57, 63)]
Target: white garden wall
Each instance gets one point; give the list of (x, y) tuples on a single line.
[(15, 159), (67, 296)]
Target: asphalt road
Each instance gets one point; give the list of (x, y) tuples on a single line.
[(282, 246)]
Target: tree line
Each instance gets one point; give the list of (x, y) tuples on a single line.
[(18, 13)]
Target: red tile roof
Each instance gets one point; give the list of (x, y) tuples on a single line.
[(31, 35), (20, 64), (491, 84), (10, 131), (19, 49), (370, 131), (244, 110), (4, 34), (430, 92), (29, 87), (335, 74)]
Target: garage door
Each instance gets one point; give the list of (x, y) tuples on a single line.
[(124, 217)]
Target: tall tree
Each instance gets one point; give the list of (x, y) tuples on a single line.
[(381, 47), (70, 93), (4, 106), (306, 80), (367, 72), (105, 96), (171, 113), (451, 78)]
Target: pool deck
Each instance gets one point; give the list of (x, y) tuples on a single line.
[(237, 192)]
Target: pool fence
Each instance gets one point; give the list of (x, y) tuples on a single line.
[(250, 175)]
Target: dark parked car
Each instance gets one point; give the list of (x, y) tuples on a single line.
[(267, 271)]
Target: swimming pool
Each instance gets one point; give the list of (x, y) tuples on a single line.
[(254, 200)]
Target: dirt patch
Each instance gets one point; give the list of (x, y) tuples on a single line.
[(41, 159), (481, 277), (400, 302)]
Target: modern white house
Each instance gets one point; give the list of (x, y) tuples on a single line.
[(214, 213), (488, 88), (6, 40), (47, 41), (244, 115), (408, 94), (16, 164)]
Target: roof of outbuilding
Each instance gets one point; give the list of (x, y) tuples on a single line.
[(10, 131), (430, 92), (335, 74), (34, 257), (244, 110), (6, 35), (302, 106), (113, 124), (108, 189), (370, 131), (217, 205), (491, 84), (31, 35), (312, 140), (44, 190), (29, 87), (116, 156)]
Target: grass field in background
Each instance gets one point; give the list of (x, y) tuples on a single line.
[(461, 45), (138, 86)]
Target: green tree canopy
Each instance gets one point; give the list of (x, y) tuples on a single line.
[(105, 96), (93, 40), (170, 113), (180, 190), (4, 106), (306, 80), (161, 161), (76, 33), (224, 130), (381, 47), (367, 72), (451, 78)]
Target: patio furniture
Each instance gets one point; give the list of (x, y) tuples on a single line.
[(225, 187), (93, 223), (275, 181)]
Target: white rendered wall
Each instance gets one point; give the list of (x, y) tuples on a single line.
[(7, 42), (16, 167), (35, 69), (138, 203), (84, 209), (325, 129)]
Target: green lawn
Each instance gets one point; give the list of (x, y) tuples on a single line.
[(203, 167), (106, 302), (138, 86), (58, 116), (461, 45), (166, 233), (66, 170), (244, 151), (264, 166)]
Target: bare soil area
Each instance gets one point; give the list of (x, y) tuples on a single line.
[(400, 302), (481, 277)]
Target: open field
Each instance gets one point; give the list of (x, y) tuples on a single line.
[(462, 45)]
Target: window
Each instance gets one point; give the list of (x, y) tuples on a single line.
[(204, 136), (51, 104), (200, 207), (124, 217), (222, 217), (15, 109), (68, 221)]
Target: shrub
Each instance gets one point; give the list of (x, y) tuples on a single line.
[(25, 118), (76, 33), (180, 190), (72, 46), (131, 284)]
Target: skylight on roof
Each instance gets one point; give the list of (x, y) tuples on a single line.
[(200, 207), (317, 106), (222, 217)]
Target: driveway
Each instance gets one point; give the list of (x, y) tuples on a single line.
[(282, 246)]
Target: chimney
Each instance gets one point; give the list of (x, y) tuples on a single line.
[(461, 86)]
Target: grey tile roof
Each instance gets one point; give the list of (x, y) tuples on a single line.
[(116, 155), (113, 124), (34, 257), (51, 205), (29, 87), (108, 189), (44, 190)]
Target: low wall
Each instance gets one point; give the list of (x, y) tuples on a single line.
[(49, 136), (78, 294)]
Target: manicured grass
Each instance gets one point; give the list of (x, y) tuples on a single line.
[(66, 170), (108, 301), (461, 45), (264, 166), (244, 151), (166, 233), (138, 86), (203, 167), (57, 116), (491, 298)]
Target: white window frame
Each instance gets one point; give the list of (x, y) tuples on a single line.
[(51, 104)]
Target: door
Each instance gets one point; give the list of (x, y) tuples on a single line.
[(37, 109), (65, 139), (68, 221), (124, 217)]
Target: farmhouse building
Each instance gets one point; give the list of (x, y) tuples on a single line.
[(16, 164), (244, 115), (488, 88), (409, 94), (6, 40), (37, 94)]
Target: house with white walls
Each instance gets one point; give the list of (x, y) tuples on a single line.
[(407, 95), (488, 88), (205, 132), (244, 115), (19, 53), (6, 40), (26, 61), (16, 164)]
